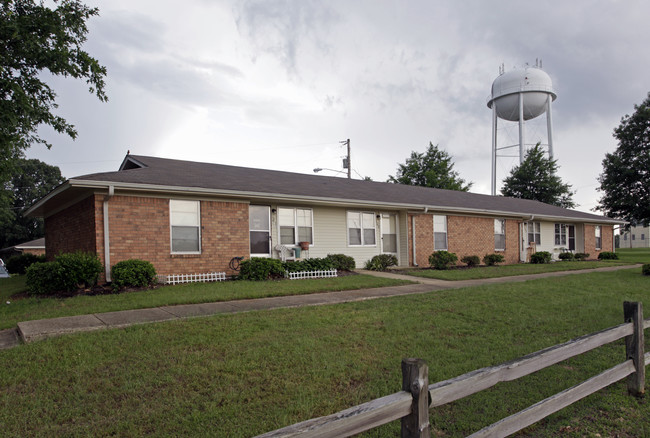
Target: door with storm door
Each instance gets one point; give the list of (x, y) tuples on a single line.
[(259, 219), (389, 234), (572, 237)]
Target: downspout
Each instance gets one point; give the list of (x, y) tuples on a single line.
[(413, 235), (107, 246)]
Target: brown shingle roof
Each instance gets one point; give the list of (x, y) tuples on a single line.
[(231, 179)]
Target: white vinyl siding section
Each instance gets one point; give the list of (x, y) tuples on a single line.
[(185, 226)]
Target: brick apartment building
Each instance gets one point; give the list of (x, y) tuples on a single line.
[(191, 217)]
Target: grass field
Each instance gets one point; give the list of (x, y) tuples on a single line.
[(634, 255), (245, 374), (29, 308)]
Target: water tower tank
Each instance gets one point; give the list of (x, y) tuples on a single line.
[(535, 86), (520, 95)]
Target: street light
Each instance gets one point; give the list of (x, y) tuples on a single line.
[(318, 169)]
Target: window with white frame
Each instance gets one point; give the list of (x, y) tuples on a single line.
[(361, 228), (499, 234), (560, 234), (185, 223), (633, 236), (439, 233), (534, 233), (599, 239), (296, 225)]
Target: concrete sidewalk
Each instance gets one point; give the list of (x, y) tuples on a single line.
[(29, 331)]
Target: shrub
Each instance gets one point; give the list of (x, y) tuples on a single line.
[(342, 262), (471, 261), (133, 272), (566, 256), (314, 264), (493, 259), (381, 262), (79, 269), (260, 269), (541, 257), (18, 264), (44, 278), (582, 256), (607, 255), (442, 259), (645, 269)]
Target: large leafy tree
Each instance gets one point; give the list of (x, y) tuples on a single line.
[(625, 181), (33, 180), (433, 168), (37, 41), (535, 178)]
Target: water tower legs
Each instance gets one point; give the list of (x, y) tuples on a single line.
[(494, 150), (521, 128), (549, 127)]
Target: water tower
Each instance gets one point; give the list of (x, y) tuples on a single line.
[(519, 95)]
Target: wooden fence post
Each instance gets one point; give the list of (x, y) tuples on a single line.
[(634, 347), (415, 379)]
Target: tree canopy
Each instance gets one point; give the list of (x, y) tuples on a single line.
[(625, 181), (33, 180), (535, 178), (433, 168)]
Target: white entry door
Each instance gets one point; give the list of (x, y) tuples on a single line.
[(389, 234)]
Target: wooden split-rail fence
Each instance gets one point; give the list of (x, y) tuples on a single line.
[(412, 404)]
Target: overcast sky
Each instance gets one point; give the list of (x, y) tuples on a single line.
[(278, 84)]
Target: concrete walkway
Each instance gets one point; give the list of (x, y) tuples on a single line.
[(29, 331)]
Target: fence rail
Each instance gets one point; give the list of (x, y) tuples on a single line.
[(194, 278), (310, 274), (407, 404)]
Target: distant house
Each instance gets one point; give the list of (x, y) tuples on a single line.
[(191, 217), (637, 236), (36, 247)]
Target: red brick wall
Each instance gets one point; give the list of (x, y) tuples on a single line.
[(607, 243), (475, 236), (71, 229), (139, 228), (423, 239), (465, 236)]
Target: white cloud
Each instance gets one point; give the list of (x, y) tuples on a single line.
[(277, 84)]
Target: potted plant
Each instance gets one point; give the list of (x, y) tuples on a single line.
[(304, 246)]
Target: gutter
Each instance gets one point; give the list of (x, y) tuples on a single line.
[(107, 244)]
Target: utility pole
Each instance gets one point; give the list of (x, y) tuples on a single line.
[(346, 161)]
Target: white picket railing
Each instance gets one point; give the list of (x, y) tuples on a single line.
[(194, 278), (310, 274)]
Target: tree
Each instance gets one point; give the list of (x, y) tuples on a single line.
[(535, 178), (33, 181), (625, 181), (35, 40), (433, 168)]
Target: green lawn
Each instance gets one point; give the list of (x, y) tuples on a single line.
[(509, 270), (26, 309), (245, 374), (634, 255)]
